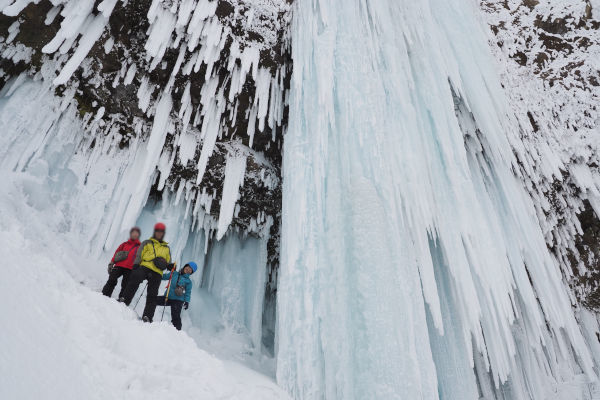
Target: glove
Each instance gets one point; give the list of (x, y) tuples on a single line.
[(136, 266), (110, 267), (186, 305), (170, 266)]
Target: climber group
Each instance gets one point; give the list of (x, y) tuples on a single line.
[(150, 261)]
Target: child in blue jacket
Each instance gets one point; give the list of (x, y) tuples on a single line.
[(179, 292)]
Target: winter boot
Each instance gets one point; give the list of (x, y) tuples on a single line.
[(146, 319), (121, 300)]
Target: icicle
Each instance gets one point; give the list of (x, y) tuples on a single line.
[(235, 170), (91, 34), (144, 94), (162, 24), (130, 74), (147, 162), (13, 31)]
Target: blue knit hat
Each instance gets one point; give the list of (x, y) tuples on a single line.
[(192, 265)]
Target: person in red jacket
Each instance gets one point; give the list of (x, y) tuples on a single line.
[(121, 263)]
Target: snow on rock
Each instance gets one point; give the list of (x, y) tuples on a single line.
[(548, 54)]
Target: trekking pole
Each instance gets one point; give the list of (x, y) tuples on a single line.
[(168, 290), (141, 294)]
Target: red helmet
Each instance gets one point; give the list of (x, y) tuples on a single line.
[(160, 227)]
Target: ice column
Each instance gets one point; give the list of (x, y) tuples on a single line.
[(235, 275), (410, 252)]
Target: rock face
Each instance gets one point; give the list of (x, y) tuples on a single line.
[(549, 54)]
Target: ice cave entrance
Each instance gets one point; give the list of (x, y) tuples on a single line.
[(229, 287)]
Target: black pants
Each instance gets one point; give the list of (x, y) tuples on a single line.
[(138, 276), (176, 306), (113, 278)]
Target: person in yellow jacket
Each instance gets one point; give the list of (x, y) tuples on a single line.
[(152, 258)]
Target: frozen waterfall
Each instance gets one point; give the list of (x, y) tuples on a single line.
[(407, 258), (413, 265)]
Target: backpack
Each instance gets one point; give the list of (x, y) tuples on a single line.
[(122, 255)]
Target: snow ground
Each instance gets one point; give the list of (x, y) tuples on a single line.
[(62, 340)]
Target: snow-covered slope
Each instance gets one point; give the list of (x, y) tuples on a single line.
[(62, 340)]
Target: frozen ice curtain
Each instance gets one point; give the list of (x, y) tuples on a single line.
[(412, 264)]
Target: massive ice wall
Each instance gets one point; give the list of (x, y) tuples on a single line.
[(413, 264)]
